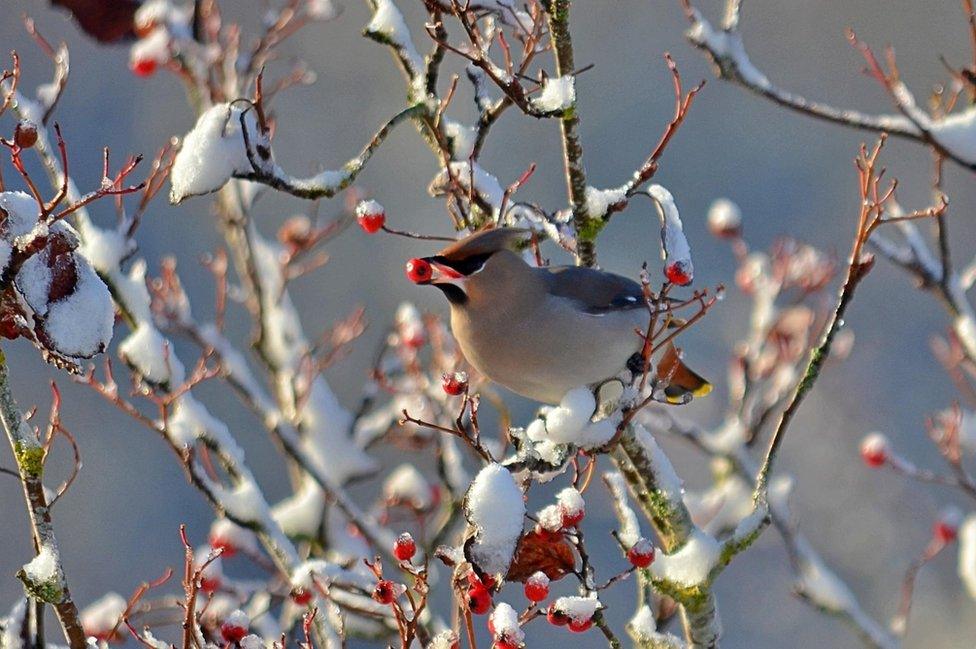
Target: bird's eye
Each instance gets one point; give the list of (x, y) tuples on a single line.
[(418, 270)]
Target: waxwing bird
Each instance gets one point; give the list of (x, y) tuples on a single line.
[(540, 331)]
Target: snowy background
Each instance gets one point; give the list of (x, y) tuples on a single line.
[(790, 175)]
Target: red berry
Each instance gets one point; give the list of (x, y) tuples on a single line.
[(372, 223), (419, 271), (232, 632), (572, 519), (678, 272), (384, 593), (579, 626), (641, 554), (504, 643), (454, 383), (479, 600), (404, 547), (25, 134), (301, 596), (944, 532), (556, 617), (874, 450), (226, 547), (143, 67), (209, 585), (537, 587)]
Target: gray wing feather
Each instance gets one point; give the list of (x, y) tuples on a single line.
[(596, 291)]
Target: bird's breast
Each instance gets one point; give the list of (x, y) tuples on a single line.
[(543, 351)]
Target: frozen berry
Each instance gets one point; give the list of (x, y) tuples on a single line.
[(234, 628), (874, 450), (678, 272), (641, 553), (573, 518), (577, 625), (454, 383), (404, 547), (25, 134), (384, 593), (537, 587), (371, 216), (210, 585)]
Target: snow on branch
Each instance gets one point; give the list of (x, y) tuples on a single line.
[(952, 135)]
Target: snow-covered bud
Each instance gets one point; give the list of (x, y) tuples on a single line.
[(874, 450), (724, 219)]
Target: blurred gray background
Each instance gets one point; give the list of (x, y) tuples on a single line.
[(789, 174)]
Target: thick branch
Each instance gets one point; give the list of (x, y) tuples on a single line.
[(29, 454), (558, 15)]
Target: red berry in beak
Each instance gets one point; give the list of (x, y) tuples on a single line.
[(419, 271)]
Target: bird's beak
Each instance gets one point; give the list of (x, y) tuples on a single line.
[(430, 270), (444, 274)]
